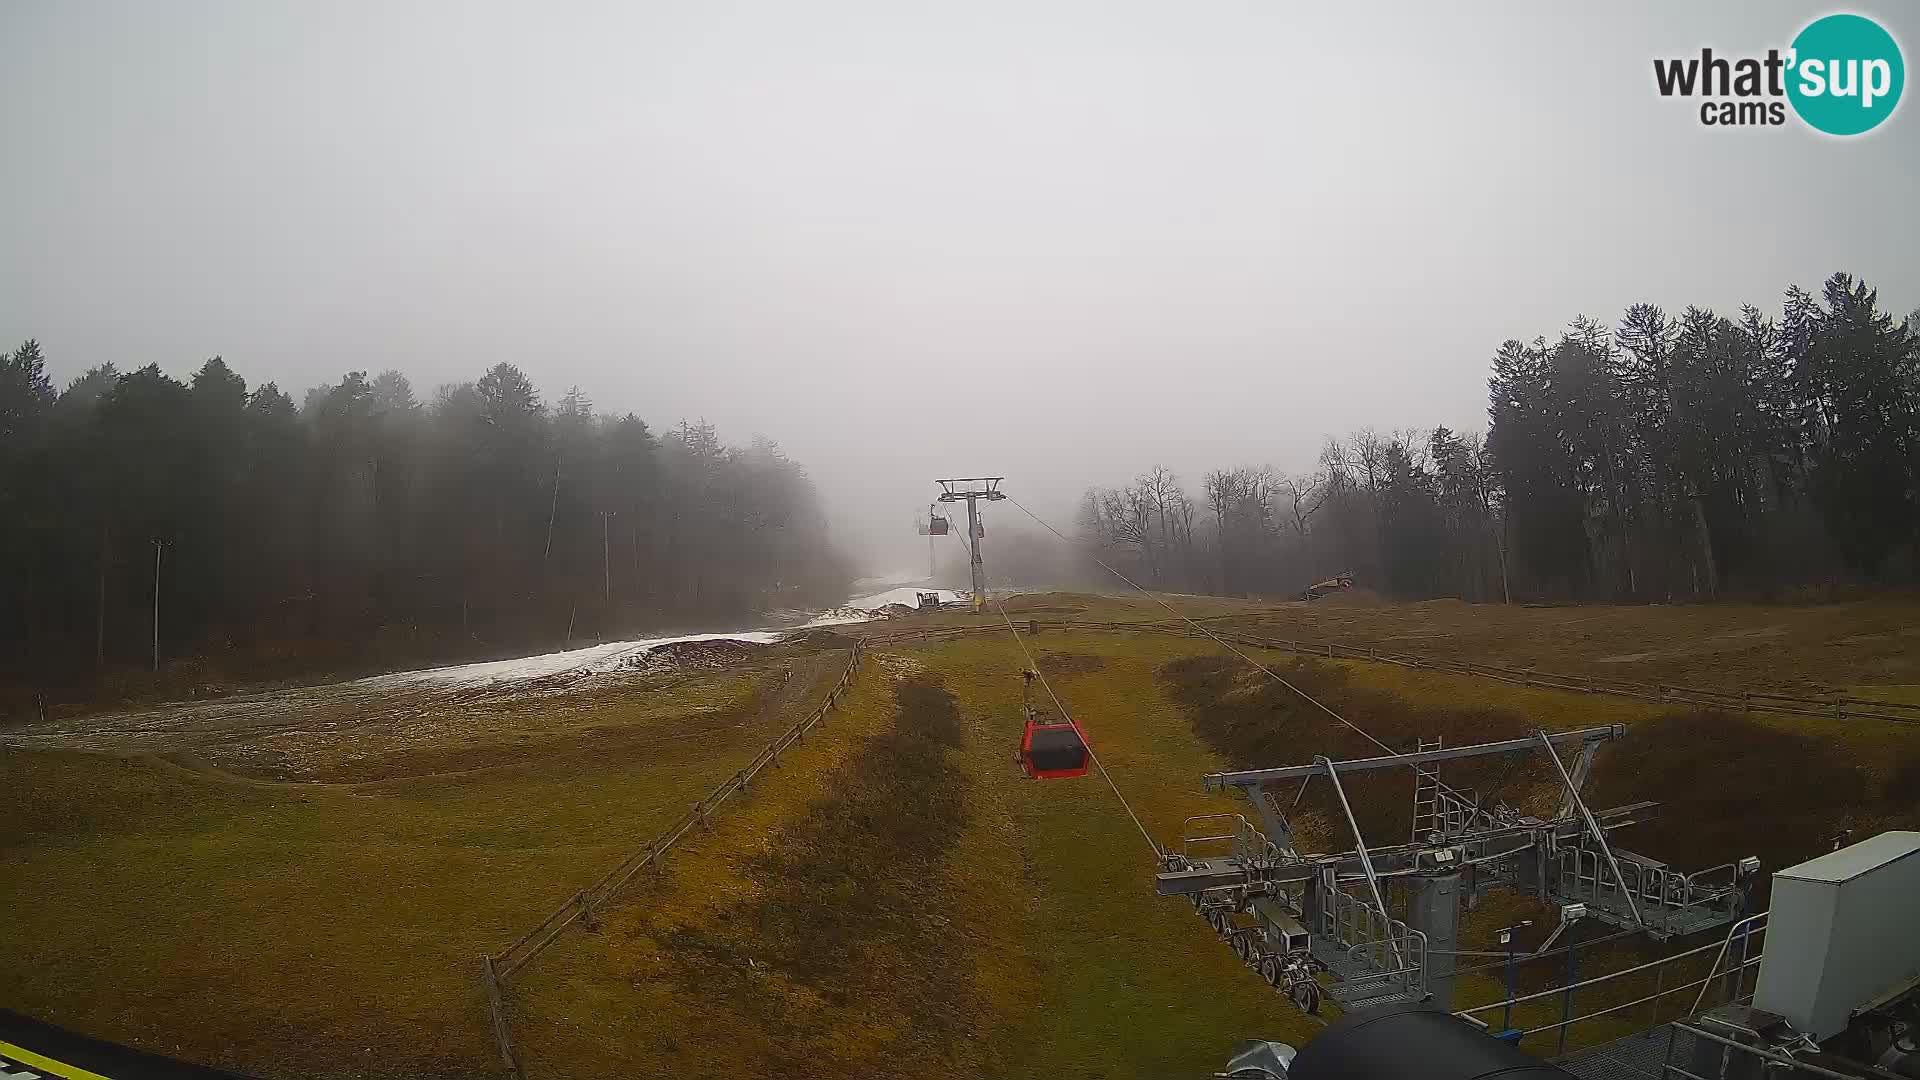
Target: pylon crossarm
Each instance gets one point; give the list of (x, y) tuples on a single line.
[(1250, 778)]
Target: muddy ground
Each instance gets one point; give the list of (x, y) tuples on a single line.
[(415, 724)]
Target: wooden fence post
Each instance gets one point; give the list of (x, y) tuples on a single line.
[(502, 1034)]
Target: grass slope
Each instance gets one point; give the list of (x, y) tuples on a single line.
[(675, 982), (1871, 645), (314, 930), (897, 897), (1120, 982)]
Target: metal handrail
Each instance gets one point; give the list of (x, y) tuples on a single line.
[(1597, 979), (1360, 846), (1186, 830), (1618, 1008), (1727, 941), (1796, 1063), (1354, 925), (1599, 835)]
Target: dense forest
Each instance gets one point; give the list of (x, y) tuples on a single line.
[(1669, 458), (364, 527)]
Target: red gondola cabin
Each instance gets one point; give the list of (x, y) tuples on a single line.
[(1053, 751), (938, 526), (1050, 751)]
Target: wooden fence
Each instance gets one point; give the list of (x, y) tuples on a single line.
[(584, 906)]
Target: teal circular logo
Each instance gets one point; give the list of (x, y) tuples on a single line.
[(1846, 74)]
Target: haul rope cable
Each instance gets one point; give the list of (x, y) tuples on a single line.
[(1309, 698), (1034, 667)]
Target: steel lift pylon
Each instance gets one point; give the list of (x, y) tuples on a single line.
[(971, 490), (1313, 924)]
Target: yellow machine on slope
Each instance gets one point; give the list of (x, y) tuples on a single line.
[(1332, 585)]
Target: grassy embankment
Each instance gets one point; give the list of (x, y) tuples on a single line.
[(333, 929), (1871, 645), (875, 915)]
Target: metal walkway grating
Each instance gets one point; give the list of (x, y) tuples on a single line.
[(1639, 1056)]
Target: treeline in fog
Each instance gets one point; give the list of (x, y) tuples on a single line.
[(1665, 457), (367, 526)]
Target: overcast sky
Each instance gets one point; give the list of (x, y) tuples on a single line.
[(1061, 242)]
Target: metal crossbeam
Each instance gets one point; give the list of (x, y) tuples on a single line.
[(1257, 777), (1392, 861), (1458, 847)]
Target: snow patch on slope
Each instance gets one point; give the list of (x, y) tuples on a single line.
[(909, 596), (592, 660), (617, 656)]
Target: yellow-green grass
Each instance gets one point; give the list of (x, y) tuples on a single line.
[(1063, 961), (1877, 746), (1123, 982), (1077, 968), (1870, 646), (306, 931), (314, 930), (1864, 644), (606, 1004)]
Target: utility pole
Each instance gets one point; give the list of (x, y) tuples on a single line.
[(971, 490), (157, 545), (606, 551), (100, 606), (553, 507)]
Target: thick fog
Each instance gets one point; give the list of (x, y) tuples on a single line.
[(1056, 242)]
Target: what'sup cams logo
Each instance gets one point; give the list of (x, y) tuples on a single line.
[(1842, 75)]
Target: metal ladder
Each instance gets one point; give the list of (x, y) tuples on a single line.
[(1427, 817)]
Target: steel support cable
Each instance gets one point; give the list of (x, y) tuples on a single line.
[(1034, 667), (1268, 672)]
